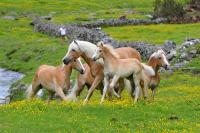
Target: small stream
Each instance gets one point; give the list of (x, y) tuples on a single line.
[(7, 77)]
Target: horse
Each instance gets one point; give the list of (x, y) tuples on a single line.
[(116, 67), (54, 79), (83, 80), (156, 60), (85, 50)]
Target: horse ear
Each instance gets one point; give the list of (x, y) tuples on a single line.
[(75, 41), (100, 44), (161, 51)]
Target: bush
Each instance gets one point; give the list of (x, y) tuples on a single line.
[(194, 2), (168, 9)]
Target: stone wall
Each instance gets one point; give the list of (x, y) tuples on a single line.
[(121, 22), (94, 35)]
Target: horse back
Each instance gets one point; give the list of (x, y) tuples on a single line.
[(128, 52)]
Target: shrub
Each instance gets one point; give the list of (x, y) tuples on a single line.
[(168, 9), (194, 2)]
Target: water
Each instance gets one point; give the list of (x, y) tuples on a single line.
[(6, 79)]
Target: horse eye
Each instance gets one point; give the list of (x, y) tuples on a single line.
[(73, 50), (74, 60), (159, 58), (100, 50)]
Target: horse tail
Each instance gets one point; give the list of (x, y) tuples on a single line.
[(29, 92), (33, 87), (148, 69)]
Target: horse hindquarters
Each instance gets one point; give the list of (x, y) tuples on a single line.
[(34, 87)]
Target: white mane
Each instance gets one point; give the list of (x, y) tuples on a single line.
[(158, 53), (86, 47)]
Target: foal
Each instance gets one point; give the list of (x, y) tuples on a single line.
[(156, 60), (54, 79), (118, 68)]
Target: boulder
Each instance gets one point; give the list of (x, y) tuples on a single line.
[(171, 54), (180, 65)]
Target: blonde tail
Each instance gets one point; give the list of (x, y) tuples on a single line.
[(29, 92), (148, 69)]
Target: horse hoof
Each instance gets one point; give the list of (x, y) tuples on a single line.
[(85, 102), (101, 102)]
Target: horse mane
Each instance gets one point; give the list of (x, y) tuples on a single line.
[(157, 53), (111, 50), (153, 58)]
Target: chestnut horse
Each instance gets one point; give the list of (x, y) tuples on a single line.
[(156, 60), (83, 80), (86, 50), (54, 79), (115, 67)]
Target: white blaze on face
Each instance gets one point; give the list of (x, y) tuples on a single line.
[(96, 54), (165, 60), (79, 60), (69, 49)]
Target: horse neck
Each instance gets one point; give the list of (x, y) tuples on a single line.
[(153, 63), (87, 48), (87, 59), (108, 57), (67, 69)]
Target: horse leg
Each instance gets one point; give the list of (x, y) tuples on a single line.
[(153, 92), (109, 93), (112, 85), (132, 87), (95, 83), (106, 84), (51, 94), (137, 87), (145, 90), (80, 88), (76, 90), (121, 86), (59, 91)]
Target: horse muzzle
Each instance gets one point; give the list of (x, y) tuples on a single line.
[(66, 61), (166, 67), (82, 71), (94, 59)]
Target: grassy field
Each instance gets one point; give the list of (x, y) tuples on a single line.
[(68, 11), (155, 34), (24, 50), (75, 10), (175, 109)]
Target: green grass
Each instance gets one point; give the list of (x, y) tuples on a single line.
[(176, 108), (23, 50), (195, 63), (155, 34), (75, 10)]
